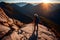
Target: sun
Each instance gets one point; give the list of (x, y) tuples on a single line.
[(46, 5), (46, 1)]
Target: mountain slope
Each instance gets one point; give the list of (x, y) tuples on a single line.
[(9, 30), (13, 13)]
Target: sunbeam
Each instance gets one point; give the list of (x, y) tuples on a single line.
[(46, 7), (46, 1)]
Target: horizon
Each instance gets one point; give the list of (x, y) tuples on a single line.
[(34, 2), (31, 1)]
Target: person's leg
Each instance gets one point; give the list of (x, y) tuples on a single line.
[(34, 28), (37, 31)]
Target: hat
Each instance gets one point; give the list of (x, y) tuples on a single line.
[(35, 14)]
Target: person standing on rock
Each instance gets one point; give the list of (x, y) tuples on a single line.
[(36, 22), (34, 35)]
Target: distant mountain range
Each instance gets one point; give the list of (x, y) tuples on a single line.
[(27, 10), (22, 4)]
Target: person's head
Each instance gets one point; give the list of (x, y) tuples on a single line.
[(35, 14)]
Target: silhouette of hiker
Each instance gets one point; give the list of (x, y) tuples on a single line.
[(34, 35)]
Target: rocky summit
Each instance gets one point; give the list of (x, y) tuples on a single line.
[(13, 29)]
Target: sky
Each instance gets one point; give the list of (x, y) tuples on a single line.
[(16, 1)]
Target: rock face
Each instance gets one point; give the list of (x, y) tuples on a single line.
[(12, 29)]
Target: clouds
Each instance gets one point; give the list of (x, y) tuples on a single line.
[(27, 0), (20, 0)]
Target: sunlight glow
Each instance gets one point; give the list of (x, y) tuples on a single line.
[(46, 7), (46, 1)]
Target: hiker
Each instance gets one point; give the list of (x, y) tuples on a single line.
[(36, 22), (34, 35)]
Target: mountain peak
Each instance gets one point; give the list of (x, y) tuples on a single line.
[(2, 2), (22, 4)]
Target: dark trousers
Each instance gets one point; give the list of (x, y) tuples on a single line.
[(36, 30), (34, 35)]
